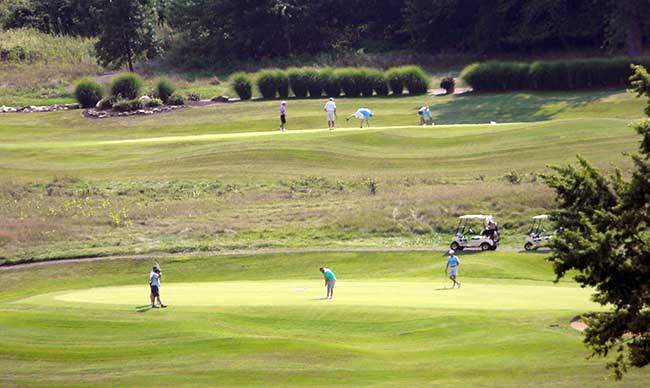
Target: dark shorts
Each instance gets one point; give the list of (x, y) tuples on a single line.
[(283, 119), (154, 291)]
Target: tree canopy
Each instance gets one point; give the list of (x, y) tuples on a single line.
[(127, 29), (604, 235), (209, 30)]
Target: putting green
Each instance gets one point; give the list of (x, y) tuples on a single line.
[(348, 293)]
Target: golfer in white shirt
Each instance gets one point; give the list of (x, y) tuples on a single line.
[(330, 108)]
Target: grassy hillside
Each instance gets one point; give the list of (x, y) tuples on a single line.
[(245, 324), (36, 67), (222, 177)]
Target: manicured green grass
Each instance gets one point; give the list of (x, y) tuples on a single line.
[(222, 177), (392, 323)]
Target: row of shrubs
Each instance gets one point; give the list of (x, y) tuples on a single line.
[(316, 82), (551, 75), (125, 94)]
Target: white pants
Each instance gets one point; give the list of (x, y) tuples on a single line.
[(331, 116)]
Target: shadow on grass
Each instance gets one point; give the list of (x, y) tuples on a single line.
[(143, 309), (539, 251), (474, 108)]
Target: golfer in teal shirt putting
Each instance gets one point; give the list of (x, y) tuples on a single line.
[(330, 281)]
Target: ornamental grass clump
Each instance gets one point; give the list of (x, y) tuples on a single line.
[(298, 79), (242, 85), (88, 93), (331, 82), (127, 86), (416, 81)]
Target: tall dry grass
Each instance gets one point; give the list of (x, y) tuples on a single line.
[(31, 60)]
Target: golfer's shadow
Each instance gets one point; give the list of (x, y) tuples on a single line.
[(443, 289), (318, 299), (143, 309)]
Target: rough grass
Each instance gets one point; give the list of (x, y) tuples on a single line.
[(345, 342), (221, 177)]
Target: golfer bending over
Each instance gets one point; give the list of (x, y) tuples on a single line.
[(330, 281), (363, 114), (154, 282), (452, 267)]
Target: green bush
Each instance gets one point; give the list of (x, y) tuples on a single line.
[(164, 89), (299, 82), (348, 78), (378, 80), (415, 79), (331, 84), (272, 83), (154, 103), (127, 86), (497, 76), (267, 83), (396, 81), (315, 82), (365, 81), (122, 105), (550, 75), (282, 83), (242, 85), (88, 93), (177, 99)]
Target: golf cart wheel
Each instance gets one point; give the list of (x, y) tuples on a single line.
[(454, 246), (528, 246), (485, 247), (493, 247)]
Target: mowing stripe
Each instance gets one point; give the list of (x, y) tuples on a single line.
[(250, 135)]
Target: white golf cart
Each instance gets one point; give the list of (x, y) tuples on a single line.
[(538, 236), (486, 240)]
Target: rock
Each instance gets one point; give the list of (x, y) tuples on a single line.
[(221, 99), (145, 100)]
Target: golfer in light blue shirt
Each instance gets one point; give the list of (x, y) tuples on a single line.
[(363, 114), (452, 268)]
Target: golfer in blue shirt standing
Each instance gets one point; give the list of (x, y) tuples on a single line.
[(452, 268)]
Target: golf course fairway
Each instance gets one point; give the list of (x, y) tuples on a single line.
[(388, 293), (260, 321)]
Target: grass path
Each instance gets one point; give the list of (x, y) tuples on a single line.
[(478, 129), (254, 252)]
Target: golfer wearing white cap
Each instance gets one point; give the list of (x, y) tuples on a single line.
[(452, 268), (154, 283), (330, 108), (283, 116)]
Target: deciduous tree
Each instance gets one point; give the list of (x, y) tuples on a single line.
[(127, 30)]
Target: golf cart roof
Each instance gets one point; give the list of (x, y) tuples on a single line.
[(541, 217), (475, 217)]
